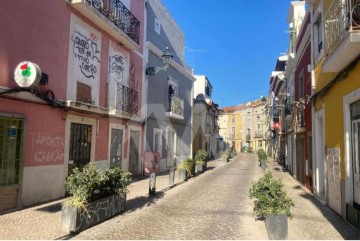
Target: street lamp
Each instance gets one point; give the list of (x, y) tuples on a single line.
[(263, 100), (166, 57)]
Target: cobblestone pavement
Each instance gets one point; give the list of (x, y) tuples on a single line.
[(43, 221), (312, 220), (213, 205)]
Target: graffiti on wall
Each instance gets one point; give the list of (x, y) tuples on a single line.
[(118, 64), (333, 177), (132, 80), (86, 53), (48, 148), (117, 67)]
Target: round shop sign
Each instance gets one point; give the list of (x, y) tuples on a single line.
[(27, 74)]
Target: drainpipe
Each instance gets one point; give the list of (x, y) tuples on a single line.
[(313, 139), (145, 87)]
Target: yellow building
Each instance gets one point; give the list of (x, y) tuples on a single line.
[(336, 111), (231, 124)]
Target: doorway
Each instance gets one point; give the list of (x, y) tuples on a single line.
[(116, 147), (11, 144), (80, 145), (355, 132), (134, 148)]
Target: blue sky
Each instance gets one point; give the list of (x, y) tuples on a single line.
[(238, 42)]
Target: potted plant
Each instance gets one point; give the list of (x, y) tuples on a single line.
[(232, 152), (227, 155), (272, 203), (95, 195), (262, 159), (200, 160), (186, 169)]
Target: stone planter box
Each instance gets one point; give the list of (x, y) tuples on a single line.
[(277, 226), (182, 175), (263, 166), (226, 159), (73, 220), (200, 168)]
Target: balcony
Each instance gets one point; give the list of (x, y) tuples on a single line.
[(113, 17), (300, 122), (122, 99), (259, 134), (342, 34), (176, 108)]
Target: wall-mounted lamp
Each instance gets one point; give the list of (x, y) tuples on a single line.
[(167, 57), (263, 100)]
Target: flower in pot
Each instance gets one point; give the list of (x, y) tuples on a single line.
[(95, 195), (200, 160), (262, 158), (272, 203)]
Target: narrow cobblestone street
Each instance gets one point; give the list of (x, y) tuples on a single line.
[(213, 205)]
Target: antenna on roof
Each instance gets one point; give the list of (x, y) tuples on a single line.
[(196, 52)]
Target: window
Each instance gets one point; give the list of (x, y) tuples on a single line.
[(172, 91), (260, 143), (158, 141), (318, 33), (233, 132), (208, 90), (233, 118), (157, 26)]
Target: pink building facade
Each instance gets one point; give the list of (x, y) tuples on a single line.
[(87, 104)]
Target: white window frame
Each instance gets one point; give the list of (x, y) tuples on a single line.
[(347, 101), (318, 26)]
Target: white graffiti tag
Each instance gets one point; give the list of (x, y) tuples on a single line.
[(87, 54), (48, 148)]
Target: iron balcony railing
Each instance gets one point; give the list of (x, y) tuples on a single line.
[(177, 106), (118, 14), (126, 99), (259, 134), (342, 17), (300, 118)]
